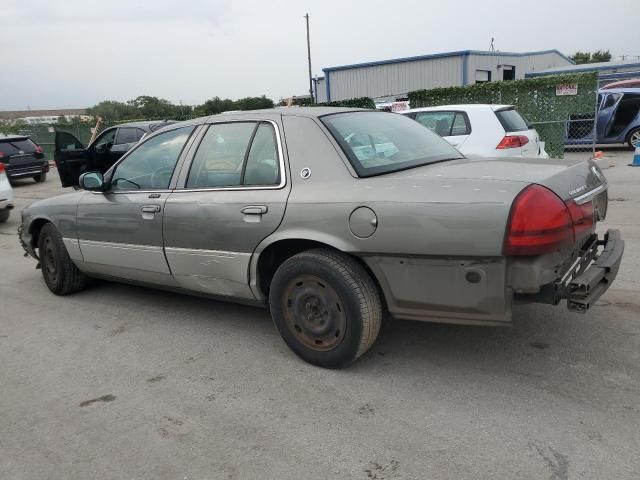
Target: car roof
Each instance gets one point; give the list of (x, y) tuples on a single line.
[(9, 138), (468, 106), (313, 112), (147, 125), (310, 112), (621, 90)]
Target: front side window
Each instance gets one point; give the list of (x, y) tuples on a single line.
[(377, 142), (105, 141), (234, 154), (151, 165)]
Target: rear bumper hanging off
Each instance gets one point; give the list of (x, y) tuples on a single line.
[(590, 275), (595, 272)]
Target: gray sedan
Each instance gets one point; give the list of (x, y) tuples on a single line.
[(331, 218)]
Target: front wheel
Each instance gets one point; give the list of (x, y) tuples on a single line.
[(4, 215), (326, 307), (634, 139), (60, 274)]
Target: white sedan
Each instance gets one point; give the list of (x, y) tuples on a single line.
[(6, 195), (482, 130)]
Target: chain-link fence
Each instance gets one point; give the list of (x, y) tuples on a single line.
[(44, 134), (562, 108)]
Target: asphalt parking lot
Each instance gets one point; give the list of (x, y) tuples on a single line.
[(121, 382)]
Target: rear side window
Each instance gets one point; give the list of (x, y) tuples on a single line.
[(233, 154), (14, 147), (445, 124), (511, 120), (126, 135)]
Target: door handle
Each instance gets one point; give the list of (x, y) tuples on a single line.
[(254, 210), (150, 209)]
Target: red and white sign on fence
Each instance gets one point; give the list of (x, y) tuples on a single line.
[(399, 106), (567, 89)]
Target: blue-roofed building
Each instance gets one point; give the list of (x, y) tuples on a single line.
[(388, 80)]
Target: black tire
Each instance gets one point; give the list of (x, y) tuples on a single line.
[(634, 136), (4, 215), (326, 307), (59, 273), (41, 177)]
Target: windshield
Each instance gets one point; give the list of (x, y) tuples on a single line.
[(377, 142)]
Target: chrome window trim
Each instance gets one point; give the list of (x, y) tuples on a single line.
[(283, 173)]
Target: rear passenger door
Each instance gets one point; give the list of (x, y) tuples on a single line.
[(232, 192), (454, 127)]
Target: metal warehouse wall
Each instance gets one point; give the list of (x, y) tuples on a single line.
[(394, 78), (523, 64), (321, 92)]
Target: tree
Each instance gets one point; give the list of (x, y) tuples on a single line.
[(112, 111), (595, 57), (153, 107), (601, 56)]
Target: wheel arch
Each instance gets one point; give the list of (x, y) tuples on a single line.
[(631, 132), (271, 254), (35, 227)]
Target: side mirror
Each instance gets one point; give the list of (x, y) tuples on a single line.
[(93, 181)]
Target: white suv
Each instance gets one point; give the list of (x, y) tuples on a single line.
[(482, 130), (6, 195)]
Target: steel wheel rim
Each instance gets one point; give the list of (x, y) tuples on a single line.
[(635, 139), (314, 313), (49, 261)]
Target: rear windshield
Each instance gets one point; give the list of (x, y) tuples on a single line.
[(511, 120), (378, 142), (11, 147)]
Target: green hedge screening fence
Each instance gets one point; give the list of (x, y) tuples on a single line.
[(362, 102), (534, 98)]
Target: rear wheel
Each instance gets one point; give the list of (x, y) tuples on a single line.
[(60, 274), (326, 307), (4, 215), (41, 177)]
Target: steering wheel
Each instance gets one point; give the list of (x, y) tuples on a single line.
[(161, 177)]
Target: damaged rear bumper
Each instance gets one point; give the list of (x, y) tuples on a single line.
[(589, 276)]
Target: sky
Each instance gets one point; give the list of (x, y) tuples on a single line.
[(76, 53)]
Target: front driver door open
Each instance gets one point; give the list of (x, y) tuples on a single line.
[(71, 158)]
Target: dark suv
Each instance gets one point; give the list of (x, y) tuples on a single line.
[(73, 158), (22, 158)]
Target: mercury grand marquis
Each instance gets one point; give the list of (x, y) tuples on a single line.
[(330, 218)]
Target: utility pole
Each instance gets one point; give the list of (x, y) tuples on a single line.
[(309, 58)]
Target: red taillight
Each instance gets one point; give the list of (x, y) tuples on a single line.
[(539, 223), (1, 167), (582, 217), (39, 149), (513, 141)]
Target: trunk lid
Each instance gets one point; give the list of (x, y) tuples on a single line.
[(569, 179)]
